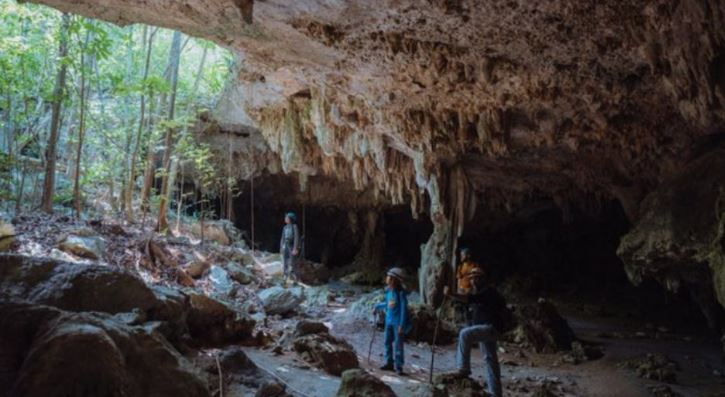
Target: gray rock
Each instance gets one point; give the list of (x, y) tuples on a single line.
[(306, 327), (325, 351), (240, 274), (212, 322), (278, 300), (88, 354), (197, 268), (220, 280), (91, 247), (72, 286), (359, 383)]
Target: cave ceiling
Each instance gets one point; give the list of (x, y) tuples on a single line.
[(559, 98)]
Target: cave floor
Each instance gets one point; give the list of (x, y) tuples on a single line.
[(524, 372)]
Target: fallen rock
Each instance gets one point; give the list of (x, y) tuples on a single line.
[(220, 281), (662, 391), (453, 385), (306, 327), (212, 322), (278, 300), (271, 389), (222, 232), (327, 352), (423, 320), (73, 286), (359, 383), (88, 354), (90, 247), (581, 352), (197, 268), (312, 273), (542, 327), (240, 274), (654, 367), (7, 235)]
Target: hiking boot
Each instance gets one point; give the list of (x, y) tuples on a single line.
[(387, 367), (400, 372)]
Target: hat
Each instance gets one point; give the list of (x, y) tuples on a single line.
[(291, 215), (465, 251), (397, 273)]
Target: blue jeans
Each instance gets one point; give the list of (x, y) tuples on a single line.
[(486, 336), (394, 343)]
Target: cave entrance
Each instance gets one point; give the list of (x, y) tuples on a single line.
[(338, 230)]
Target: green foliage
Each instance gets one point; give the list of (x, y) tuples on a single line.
[(113, 63)]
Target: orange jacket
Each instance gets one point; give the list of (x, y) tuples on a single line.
[(464, 283)]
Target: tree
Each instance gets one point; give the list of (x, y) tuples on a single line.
[(128, 199), (58, 93), (174, 56)]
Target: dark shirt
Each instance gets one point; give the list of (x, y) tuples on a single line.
[(486, 307)]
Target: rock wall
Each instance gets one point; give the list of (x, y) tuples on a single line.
[(680, 237)]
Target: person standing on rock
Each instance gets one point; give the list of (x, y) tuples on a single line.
[(397, 320), (289, 245), (486, 314)]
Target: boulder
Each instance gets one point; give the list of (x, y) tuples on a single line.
[(212, 322), (196, 268), (306, 327), (311, 273), (7, 236), (327, 352), (222, 232), (91, 247), (240, 274), (220, 281), (452, 385), (541, 327), (73, 286), (359, 383), (653, 367), (88, 354), (278, 300), (271, 389)]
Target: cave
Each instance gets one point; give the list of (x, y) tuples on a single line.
[(576, 148)]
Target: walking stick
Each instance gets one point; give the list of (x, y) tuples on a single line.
[(435, 336), (372, 340)]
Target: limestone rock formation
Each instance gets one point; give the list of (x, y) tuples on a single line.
[(314, 344), (679, 238), (84, 288), (90, 247), (48, 351), (279, 300), (541, 327), (359, 383)]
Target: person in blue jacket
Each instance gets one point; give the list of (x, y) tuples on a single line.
[(397, 320)]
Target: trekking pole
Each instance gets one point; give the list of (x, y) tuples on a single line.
[(372, 340), (435, 336)]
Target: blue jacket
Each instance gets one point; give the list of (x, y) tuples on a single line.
[(396, 308)]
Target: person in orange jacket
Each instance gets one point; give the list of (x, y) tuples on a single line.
[(464, 270)]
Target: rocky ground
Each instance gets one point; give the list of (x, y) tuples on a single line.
[(103, 308)]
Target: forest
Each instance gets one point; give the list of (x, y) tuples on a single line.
[(97, 119)]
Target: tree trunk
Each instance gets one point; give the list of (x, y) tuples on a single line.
[(174, 57), (58, 92), (81, 132), (131, 183)]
